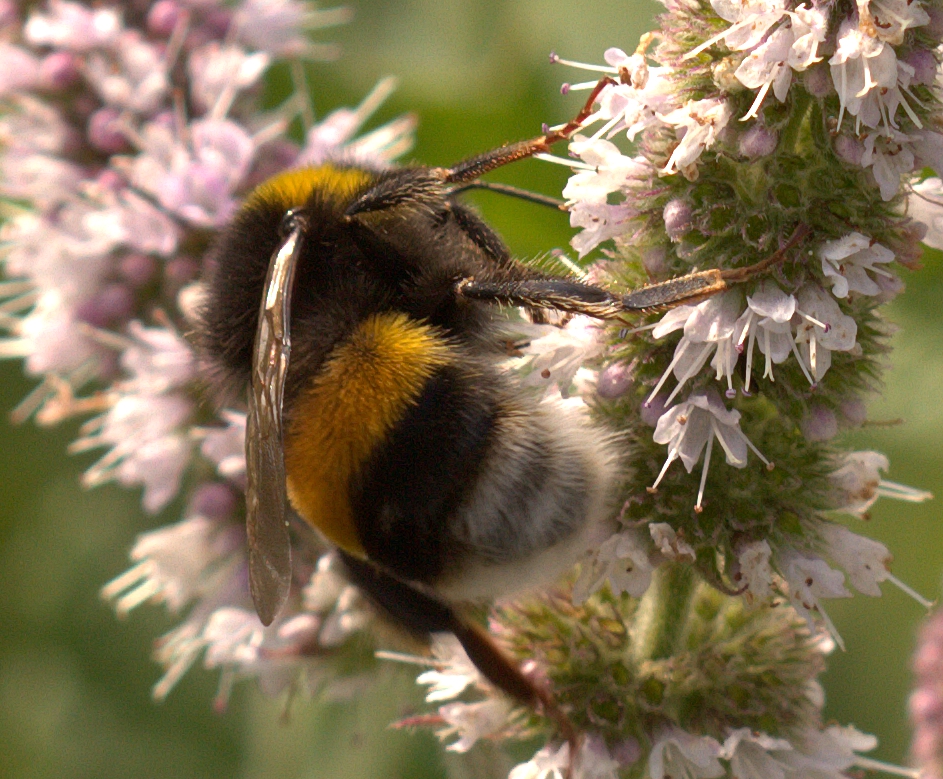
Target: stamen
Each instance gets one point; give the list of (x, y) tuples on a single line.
[(606, 127), (824, 325), (719, 37), (21, 302), (768, 463), (909, 111), (131, 600), (698, 507), (805, 371), (749, 368), (892, 489), (174, 673), (830, 626), (625, 332), (570, 163), (375, 98), (925, 602), (755, 108), (122, 582), (664, 377), (227, 679), (402, 657), (672, 456), (11, 288), (15, 347), (581, 86), (692, 369), (768, 372), (299, 83), (871, 764), (746, 330), (556, 60)]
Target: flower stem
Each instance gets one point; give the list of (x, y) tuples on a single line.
[(663, 613)]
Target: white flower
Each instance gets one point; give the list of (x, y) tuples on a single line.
[(809, 26), (925, 205), (767, 321), (473, 721), (611, 170), (846, 263), (177, 563), (599, 222), (555, 355), (622, 560), (73, 26), (690, 426), (864, 560), (453, 673), (335, 133), (824, 329), (132, 76), (128, 219), (890, 19), (147, 447), (858, 483), (828, 753), (868, 78), (159, 360), (677, 754), (670, 544), (890, 156), (810, 579), (593, 762), (634, 107), (226, 446), (751, 19), (217, 72), (197, 177), (281, 27), (766, 68), (754, 755), (701, 122), (546, 764), (709, 328), (754, 572)]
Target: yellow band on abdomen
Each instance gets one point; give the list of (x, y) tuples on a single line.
[(350, 407)]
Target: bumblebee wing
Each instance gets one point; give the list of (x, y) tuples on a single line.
[(266, 496)]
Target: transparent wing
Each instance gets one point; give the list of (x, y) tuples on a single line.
[(266, 496)]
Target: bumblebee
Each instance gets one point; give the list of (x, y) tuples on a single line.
[(358, 306)]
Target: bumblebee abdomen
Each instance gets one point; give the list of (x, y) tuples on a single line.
[(348, 409), (408, 450)]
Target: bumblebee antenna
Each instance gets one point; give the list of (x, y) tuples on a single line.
[(472, 168), (507, 189)]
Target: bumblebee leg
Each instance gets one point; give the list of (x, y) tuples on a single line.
[(471, 169), (422, 613), (578, 298)]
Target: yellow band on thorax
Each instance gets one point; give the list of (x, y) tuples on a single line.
[(350, 407)]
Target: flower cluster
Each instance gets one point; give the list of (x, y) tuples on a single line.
[(766, 133), (784, 137), (739, 116), (130, 132)]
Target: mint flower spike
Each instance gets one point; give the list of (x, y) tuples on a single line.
[(111, 187)]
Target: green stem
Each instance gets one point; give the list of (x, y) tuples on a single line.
[(789, 138), (662, 617)]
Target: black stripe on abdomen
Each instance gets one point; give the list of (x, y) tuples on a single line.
[(404, 495)]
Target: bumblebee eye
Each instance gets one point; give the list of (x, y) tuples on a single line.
[(292, 220)]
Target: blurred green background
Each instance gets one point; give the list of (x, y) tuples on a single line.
[(75, 682)]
